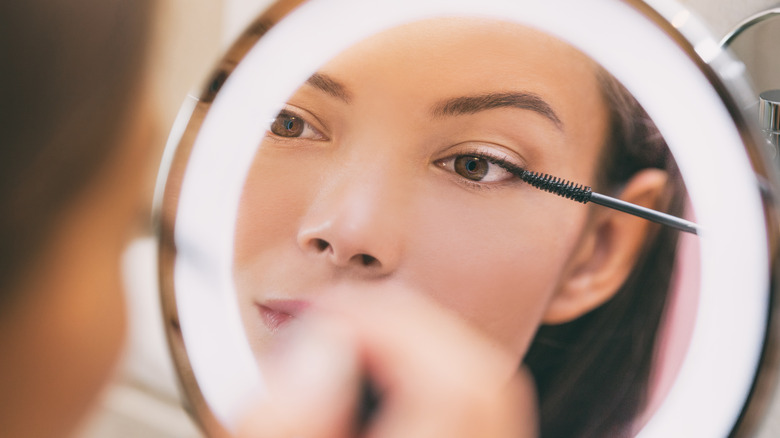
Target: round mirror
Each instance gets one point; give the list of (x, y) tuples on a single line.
[(395, 145)]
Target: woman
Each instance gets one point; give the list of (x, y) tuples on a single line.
[(392, 168)]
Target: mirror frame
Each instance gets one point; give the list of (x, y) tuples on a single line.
[(690, 38)]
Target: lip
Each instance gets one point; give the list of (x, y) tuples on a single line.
[(276, 313)]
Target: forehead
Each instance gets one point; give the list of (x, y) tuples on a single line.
[(411, 67), (469, 53)]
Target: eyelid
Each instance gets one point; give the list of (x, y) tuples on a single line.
[(496, 154)]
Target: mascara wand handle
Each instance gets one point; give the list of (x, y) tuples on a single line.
[(645, 213)]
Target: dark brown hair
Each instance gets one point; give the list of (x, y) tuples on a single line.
[(592, 373), (69, 72)]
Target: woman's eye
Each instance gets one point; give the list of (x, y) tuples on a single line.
[(288, 125), (473, 168), (476, 168)]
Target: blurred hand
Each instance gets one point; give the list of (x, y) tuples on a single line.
[(436, 376)]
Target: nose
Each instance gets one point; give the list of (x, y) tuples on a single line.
[(355, 227)]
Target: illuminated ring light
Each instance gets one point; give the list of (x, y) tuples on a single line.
[(669, 76)]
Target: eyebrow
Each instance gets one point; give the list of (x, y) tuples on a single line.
[(456, 106), (482, 102), (329, 86)]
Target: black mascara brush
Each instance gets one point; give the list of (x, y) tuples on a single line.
[(585, 194)]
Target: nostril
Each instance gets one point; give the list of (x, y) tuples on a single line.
[(368, 260), (360, 259), (321, 244)]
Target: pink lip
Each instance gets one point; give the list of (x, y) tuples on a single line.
[(276, 313)]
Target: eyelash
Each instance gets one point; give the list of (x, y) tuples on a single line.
[(501, 162)]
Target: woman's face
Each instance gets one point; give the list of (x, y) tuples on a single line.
[(389, 168)]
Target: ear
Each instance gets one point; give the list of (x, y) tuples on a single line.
[(607, 252)]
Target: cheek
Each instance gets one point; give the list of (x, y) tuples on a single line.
[(498, 267), (273, 199), (276, 194)]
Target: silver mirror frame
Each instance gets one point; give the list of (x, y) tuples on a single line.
[(723, 74)]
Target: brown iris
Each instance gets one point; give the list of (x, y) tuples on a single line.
[(287, 125), (471, 167)]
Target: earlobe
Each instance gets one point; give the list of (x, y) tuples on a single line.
[(608, 250)]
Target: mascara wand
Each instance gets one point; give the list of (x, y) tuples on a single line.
[(585, 194)]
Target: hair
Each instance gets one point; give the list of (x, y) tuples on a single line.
[(592, 373), (70, 70)]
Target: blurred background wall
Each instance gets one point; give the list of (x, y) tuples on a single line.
[(190, 34)]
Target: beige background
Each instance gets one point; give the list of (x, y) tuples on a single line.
[(144, 401)]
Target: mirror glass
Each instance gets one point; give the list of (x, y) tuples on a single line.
[(385, 154)]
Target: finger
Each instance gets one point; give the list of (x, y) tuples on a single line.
[(404, 335), (509, 413), (439, 376), (312, 377)]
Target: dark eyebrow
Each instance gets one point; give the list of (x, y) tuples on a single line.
[(330, 86), (474, 104)]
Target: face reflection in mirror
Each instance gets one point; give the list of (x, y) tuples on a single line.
[(389, 168)]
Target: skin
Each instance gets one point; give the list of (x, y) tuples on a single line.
[(367, 195), (61, 340)]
